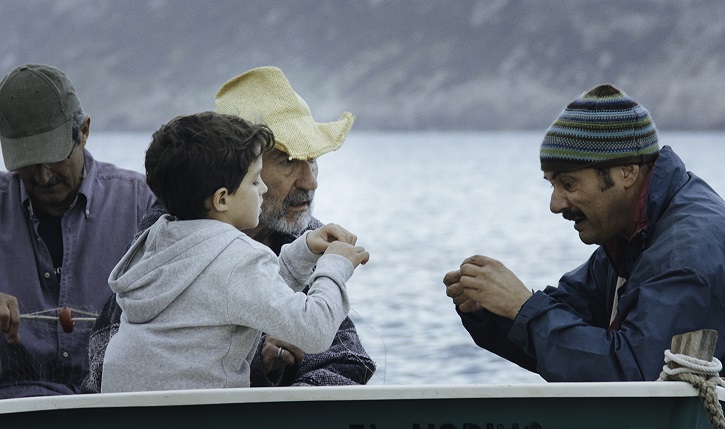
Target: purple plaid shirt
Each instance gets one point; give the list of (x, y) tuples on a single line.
[(96, 230)]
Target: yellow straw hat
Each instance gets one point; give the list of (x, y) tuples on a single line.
[(263, 95)]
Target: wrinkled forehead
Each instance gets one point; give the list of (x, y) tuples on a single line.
[(554, 175), (551, 175), (278, 154)]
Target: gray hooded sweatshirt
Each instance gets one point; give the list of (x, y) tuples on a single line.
[(196, 296)]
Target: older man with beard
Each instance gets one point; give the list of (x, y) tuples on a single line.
[(290, 172), (287, 213)]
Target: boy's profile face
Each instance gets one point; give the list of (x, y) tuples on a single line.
[(245, 205)]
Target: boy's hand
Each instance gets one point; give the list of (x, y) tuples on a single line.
[(355, 254), (320, 238)]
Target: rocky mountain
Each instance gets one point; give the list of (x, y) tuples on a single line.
[(396, 64)]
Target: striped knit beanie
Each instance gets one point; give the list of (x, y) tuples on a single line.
[(602, 128)]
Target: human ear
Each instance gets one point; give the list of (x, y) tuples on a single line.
[(85, 130), (629, 174), (219, 201)]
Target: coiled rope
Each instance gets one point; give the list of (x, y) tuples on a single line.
[(704, 376)]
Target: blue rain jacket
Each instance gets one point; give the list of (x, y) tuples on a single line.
[(675, 270)]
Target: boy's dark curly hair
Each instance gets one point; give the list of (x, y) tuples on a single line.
[(192, 156)]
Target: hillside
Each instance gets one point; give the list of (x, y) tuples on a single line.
[(396, 64)]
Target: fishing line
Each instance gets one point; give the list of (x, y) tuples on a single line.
[(385, 350), (68, 328)]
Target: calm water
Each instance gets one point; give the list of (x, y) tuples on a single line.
[(421, 203)]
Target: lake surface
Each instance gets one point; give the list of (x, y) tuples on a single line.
[(421, 203)]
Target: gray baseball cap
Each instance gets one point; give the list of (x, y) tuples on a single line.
[(37, 103)]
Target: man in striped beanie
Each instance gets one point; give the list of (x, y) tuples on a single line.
[(601, 129), (657, 271)]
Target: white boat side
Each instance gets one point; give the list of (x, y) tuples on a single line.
[(352, 393)]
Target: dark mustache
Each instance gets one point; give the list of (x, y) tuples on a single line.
[(574, 215), (52, 182)]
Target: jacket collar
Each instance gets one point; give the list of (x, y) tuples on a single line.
[(668, 177), (664, 180)]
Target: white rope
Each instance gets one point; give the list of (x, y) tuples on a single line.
[(704, 376), (691, 364)]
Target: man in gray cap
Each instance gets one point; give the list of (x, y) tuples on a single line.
[(65, 220)]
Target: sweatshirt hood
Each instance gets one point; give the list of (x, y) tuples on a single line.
[(164, 261)]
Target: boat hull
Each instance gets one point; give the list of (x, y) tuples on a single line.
[(560, 406)]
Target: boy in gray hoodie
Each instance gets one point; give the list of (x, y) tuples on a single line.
[(195, 291)]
